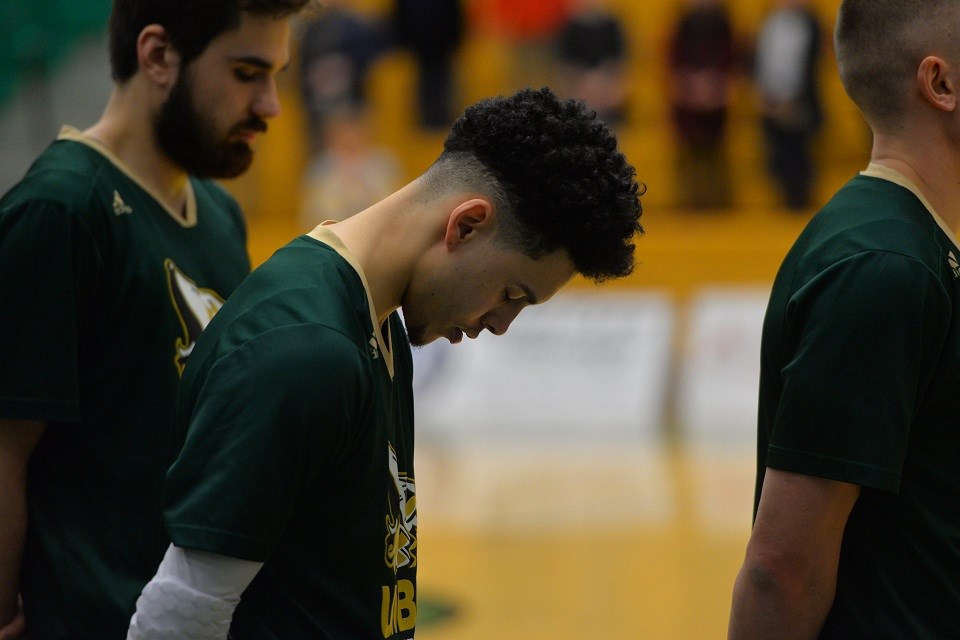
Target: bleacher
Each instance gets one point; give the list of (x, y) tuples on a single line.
[(682, 249)]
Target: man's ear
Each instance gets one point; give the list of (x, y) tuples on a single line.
[(937, 84), (467, 220), (158, 59)]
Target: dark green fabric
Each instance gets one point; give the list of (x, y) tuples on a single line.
[(94, 341), (860, 367), (291, 418)]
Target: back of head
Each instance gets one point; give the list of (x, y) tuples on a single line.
[(554, 175), (880, 44), (190, 24)]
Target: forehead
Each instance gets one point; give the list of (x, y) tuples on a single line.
[(259, 38)]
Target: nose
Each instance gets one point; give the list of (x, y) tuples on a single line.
[(267, 103), (498, 320)]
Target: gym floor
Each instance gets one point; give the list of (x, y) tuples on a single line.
[(616, 544)]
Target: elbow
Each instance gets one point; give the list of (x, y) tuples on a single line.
[(769, 580), (763, 577), (777, 596), (786, 578)]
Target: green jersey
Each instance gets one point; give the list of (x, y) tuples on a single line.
[(298, 411), (860, 369), (103, 291)]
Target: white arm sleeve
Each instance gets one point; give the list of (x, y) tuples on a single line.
[(192, 596)]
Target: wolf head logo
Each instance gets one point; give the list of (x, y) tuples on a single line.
[(195, 307)]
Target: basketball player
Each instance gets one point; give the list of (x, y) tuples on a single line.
[(296, 487), (116, 249)]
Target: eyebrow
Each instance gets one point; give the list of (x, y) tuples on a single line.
[(257, 61)]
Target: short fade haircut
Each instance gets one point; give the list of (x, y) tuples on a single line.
[(554, 175), (879, 45), (190, 24)]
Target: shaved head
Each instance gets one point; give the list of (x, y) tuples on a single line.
[(880, 44)]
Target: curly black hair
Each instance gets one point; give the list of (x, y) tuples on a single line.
[(566, 184)]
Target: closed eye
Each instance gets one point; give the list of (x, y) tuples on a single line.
[(523, 295), (244, 75), (250, 68)]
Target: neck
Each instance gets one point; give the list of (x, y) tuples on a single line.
[(386, 241), (930, 164), (126, 130)]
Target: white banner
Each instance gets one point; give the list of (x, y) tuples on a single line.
[(720, 366), (585, 366)]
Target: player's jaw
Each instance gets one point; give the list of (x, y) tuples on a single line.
[(192, 140), (420, 335), (431, 310)]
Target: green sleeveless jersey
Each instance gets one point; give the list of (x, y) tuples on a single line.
[(103, 291), (298, 414), (860, 371)]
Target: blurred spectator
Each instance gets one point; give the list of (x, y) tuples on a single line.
[(701, 59), (336, 50), (432, 30), (592, 52), (787, 53), (529, 27), (349, 174)]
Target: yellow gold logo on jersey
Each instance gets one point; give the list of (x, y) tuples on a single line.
[(398, 610), (195, 307)]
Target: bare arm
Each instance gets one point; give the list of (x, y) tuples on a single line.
[(788, 580), (18, 438)]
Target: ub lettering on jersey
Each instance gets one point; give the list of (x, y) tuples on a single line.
[(399, 607)]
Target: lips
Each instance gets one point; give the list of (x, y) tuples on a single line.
[(457, 333), (247, 136), (248, 131)]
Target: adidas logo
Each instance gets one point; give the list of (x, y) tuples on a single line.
[(954, 265), (119, 206), (374, 349)]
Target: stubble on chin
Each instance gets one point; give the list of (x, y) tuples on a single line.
[(416, 335)]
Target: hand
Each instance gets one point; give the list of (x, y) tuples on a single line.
[(16, 629)]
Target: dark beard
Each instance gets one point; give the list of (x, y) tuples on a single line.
[(416, 336), (190, 140)]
